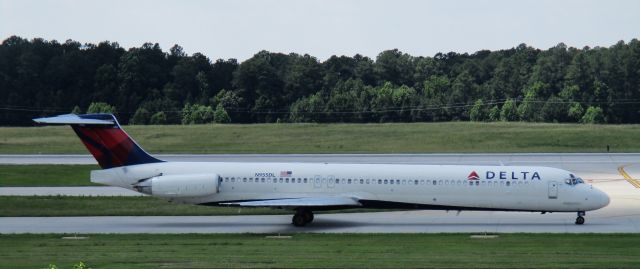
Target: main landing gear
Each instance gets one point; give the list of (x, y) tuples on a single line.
[(580, 218), (302, 217)]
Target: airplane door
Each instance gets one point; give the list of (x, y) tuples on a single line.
[(317, 182), (553, 190), (331, 181)]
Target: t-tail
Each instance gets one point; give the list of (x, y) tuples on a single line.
[(104, 138)]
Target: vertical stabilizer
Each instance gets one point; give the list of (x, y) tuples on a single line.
[(109, 144)]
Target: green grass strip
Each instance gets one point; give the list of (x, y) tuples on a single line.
[(323, 251), (50, 206), (65, 206), (343, 138), (45, 175)]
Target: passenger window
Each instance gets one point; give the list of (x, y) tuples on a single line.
[(348, 181), (422, 182), (380, 181), (286, 180), (470, 183), (404, 182), (508, 184), (305, 180), (477, 183), (367, 181), (361, 181), (281, 180), (262, 179), (299, 180), (416, 182), (391, 181), (386, 181)]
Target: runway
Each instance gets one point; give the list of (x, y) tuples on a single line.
[(613, 173), (621, 216), (67, 191), (447, 158)]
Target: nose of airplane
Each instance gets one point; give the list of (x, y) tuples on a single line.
[(602, 198)]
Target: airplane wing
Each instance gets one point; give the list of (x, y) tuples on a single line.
[(300, 202)]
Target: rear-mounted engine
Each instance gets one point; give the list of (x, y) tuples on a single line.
[(194, 185)]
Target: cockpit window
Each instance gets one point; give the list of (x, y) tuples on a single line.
[(573, 180)]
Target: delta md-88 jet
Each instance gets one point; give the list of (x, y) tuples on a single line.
[(308, 187)]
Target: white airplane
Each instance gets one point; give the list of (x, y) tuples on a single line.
[(307, 187)]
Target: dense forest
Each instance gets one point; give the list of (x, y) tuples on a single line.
[(146, 85)]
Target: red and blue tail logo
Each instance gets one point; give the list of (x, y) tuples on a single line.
[(109, 144)]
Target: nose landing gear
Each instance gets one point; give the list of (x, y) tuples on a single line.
[(302, 217), (580, 218)]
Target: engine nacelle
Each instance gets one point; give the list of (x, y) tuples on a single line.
[(171, 186)]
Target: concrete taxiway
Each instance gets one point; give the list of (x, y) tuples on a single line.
[(616, 174), (67, 191)]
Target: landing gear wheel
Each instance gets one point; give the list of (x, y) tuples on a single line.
[(298, 220), (308, 216), (580, 218)]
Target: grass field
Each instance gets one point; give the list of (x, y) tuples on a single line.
[(49, 206), (45, 175), (323, 251), (53, 206), (343, 138)]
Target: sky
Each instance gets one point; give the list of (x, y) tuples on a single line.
[(240, 28)]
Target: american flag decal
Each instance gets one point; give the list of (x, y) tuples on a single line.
[(285, 173)]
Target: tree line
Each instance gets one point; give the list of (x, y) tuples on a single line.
[(146, 85)]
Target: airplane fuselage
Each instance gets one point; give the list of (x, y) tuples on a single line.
[(448, 187)]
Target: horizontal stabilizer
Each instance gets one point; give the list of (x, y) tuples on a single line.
[(300, 202), (98, 119), (104, 138)]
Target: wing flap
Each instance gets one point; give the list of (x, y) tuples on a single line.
[(300, 202)]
